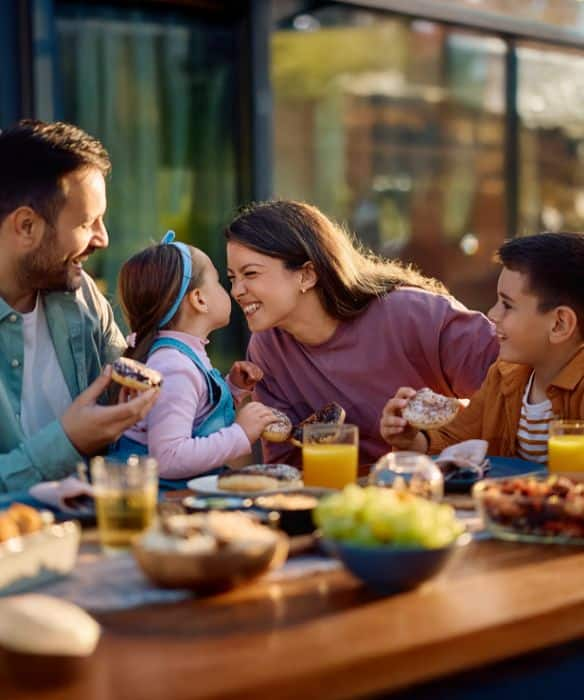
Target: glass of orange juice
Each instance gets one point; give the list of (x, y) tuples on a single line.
[(566, 446), (330, 454)]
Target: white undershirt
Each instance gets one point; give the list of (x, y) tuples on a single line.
[(534, 424), (45, 394)]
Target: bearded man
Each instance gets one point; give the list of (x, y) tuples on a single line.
[(57, 332)]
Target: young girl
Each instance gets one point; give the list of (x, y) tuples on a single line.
[(172, 299)]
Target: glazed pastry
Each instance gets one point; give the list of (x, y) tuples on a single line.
[(27, 519), (260, 477), (135, 375), (332, 413), (428, 410), (280, 429)]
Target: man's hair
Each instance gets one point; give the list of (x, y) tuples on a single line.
[(554, 266), (36, 156)]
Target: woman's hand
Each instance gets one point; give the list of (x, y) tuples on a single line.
[(253, 418), (245, 375), (395, 430)]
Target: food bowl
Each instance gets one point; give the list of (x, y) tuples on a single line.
[(533, 508), (294, 509), (391, 569), (209, 560)]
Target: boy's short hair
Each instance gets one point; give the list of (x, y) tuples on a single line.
[(34, 158), (554, 266)]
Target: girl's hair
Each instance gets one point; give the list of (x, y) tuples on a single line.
[(349, 277), (148, 284)]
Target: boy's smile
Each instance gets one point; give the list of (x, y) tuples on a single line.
[(522, 329)]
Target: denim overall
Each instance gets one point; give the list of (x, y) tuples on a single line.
[(221, 416)]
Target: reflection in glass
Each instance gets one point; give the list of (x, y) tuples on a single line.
[(402, 137)]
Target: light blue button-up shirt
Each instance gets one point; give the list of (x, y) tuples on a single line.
[(85, 337)]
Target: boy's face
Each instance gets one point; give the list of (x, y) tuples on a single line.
[(522, 329)]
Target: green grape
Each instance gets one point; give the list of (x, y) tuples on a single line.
[(374, 515)]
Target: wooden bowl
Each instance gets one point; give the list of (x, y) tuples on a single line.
[(210, 572)]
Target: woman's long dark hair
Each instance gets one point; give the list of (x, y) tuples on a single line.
[(148, 284), (348, 276)]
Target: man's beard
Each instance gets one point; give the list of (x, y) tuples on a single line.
[(44, 269)]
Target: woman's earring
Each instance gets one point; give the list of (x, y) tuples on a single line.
[(302, 290)]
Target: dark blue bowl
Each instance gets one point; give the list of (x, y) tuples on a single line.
[(388, 569)]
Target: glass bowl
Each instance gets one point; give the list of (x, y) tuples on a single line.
[(534, 508), (409, 471)]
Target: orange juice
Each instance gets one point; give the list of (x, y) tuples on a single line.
[(331, 466), (566, 453)]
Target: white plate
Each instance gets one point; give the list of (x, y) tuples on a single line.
[(207, 485)]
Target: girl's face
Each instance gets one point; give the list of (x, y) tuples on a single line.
[(265, 289), (215, 294)]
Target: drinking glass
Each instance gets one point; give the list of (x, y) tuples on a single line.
[(125, 499), (566, 446), (409, 471), (330, 454)]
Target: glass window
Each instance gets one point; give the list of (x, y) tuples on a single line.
[(396, 127), (551, 113), (560, 13), (160, 90)]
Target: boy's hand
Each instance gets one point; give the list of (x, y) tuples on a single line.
[(245, 375), (253, 418), (394, 429), (90, 427)]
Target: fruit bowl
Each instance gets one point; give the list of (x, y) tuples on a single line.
[(391, 569)]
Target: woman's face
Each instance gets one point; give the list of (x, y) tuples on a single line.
[(265, 289)]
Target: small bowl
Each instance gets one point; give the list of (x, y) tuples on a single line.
[(210, 572), (294, 509), (388, 569)]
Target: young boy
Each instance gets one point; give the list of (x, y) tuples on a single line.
[(539, 376)]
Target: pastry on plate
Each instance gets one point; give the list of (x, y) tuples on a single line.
[(260, 477)]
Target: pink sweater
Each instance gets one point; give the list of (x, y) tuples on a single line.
[(184, 403), (407, 338)]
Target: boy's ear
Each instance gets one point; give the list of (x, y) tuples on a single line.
[(198, 301), (308, 277), (565, 324)]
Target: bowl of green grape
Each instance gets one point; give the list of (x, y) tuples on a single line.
[(392, 540)]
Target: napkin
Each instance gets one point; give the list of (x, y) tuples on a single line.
[(71, 495), (464, 460)]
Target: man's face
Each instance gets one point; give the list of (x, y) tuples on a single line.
[(57, 262)]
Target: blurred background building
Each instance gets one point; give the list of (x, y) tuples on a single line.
[(433, 129)]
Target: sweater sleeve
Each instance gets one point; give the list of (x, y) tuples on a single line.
[(170, 423), (468, 346), (269, 392)]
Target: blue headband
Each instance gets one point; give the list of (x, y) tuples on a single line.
[(187, 272)]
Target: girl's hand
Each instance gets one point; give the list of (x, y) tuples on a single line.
[(394, 429), (253, 418), (245, 375)]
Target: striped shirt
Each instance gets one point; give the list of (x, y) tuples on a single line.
[(534, 423)]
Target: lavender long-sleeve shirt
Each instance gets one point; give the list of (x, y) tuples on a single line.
[(409, 337), (184, 403)]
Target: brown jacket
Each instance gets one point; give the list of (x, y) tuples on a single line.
[(493, 413)]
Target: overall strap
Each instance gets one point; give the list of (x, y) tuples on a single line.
[(212, 386)]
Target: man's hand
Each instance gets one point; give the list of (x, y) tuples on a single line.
[(245, 375), (90, 427), (395, 430)]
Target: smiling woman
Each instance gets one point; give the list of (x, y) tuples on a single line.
[(330, 322)]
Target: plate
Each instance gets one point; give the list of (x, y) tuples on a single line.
[(217, 503), (207, 486)]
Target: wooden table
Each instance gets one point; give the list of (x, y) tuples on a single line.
[(329, 637)]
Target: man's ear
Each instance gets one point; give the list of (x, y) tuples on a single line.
[(28, 227), (565, 324), (197, 301), (308, 277)]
